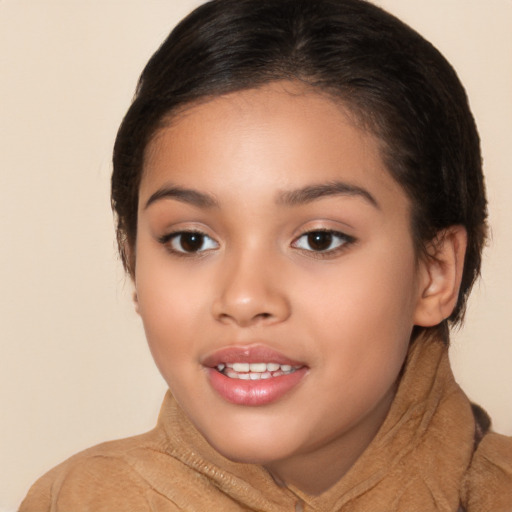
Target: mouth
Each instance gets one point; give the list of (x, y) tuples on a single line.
[(254, 375)]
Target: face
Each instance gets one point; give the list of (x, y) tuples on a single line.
[(275, 274)]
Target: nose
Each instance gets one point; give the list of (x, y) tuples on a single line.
[(251, 291)]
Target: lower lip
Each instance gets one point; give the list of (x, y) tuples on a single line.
[(254, 392)]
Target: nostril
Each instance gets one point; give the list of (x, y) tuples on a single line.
[(262, 316)]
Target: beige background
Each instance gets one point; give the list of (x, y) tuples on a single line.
[(74, 368)]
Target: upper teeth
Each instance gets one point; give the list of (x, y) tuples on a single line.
[(256, 367), (255, 371)]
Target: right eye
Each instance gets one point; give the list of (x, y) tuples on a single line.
[(189, 242)]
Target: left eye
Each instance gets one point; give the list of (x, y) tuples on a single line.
[(190, 242), (321, 241)]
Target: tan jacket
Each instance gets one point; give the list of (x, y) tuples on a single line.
[(423, 459)]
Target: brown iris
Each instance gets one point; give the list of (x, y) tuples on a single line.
[(191, 242), (319, 240)]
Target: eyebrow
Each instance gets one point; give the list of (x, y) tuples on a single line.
[(185, 195), (333, 188)]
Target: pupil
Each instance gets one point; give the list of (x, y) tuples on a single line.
[(319, 241), (191, 242)]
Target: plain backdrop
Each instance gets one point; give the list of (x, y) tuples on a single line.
[(74, 366)]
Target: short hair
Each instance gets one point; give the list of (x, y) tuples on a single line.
[(394, 82)]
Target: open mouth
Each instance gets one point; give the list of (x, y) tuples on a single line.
[(253, 375), (255, 371)]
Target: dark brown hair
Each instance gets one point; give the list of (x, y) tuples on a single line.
[(395, 83)]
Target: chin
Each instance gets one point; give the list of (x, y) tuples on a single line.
[(250, 449)]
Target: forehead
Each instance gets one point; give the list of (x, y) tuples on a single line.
[(278, 137)]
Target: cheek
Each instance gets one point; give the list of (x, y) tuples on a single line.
[(172, 307), (362, 315), (371, 286)]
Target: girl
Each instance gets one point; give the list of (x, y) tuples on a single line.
[(300, 205)]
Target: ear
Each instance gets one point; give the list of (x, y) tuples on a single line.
[(129, 265), (440, 276), (128, 258), (136, 302)]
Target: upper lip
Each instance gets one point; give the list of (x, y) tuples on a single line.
[(248, 354)]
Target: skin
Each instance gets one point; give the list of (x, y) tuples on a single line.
[(346, 313)]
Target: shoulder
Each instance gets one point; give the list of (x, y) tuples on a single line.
[(100, 479), (488, 483)]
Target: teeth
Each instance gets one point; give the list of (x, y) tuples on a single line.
[(255, 371), (258, 367), (241, 367)]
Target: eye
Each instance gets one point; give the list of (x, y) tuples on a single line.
[(189, 242), (322, 241)]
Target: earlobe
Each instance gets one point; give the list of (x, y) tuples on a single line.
[(440, 276)]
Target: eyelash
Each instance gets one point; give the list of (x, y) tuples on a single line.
[(342, 240)]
